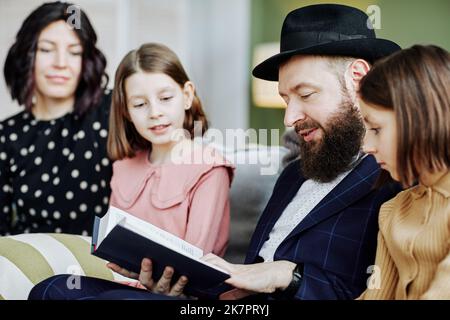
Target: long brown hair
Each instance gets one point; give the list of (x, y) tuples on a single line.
[(123, 139), (415, 84)]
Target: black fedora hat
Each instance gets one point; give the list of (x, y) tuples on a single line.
[(326, 29)]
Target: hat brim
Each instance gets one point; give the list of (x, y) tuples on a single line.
[(368, 49)]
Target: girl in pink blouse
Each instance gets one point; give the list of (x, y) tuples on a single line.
[(161, 175)]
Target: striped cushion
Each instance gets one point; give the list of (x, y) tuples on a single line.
[(27, 259)]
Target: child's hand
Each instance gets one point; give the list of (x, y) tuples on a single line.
[(145, 278)]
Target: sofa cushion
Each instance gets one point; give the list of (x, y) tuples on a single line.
[(27, 259)]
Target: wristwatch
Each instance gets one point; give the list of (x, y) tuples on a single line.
[(293, 286)]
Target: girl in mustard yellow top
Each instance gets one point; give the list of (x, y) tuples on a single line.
[(405, 102)]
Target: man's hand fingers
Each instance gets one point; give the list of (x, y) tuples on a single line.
[(122, 271), (163, 284), (178, 287), (145, 277)]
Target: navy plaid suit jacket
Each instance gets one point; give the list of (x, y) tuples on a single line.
[(336, 242)]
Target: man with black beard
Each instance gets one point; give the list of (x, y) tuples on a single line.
[(316, 238)]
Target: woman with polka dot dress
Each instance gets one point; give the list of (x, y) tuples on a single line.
[(54, 169)]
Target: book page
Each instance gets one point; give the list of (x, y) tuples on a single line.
[(103, 228), (171, 241), (154, 233)]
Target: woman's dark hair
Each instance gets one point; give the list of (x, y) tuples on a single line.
[(19, 64), (415, 84)]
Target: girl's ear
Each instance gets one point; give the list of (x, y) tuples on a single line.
[(188, 92)]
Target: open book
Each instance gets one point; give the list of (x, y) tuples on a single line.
[(125, 240)]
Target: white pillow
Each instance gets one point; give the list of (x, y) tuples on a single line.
[(27, 259)]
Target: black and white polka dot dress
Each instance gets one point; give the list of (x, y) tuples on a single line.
[(54, 175)]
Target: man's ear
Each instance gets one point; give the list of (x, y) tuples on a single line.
[(188, 92), (357, 70)]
